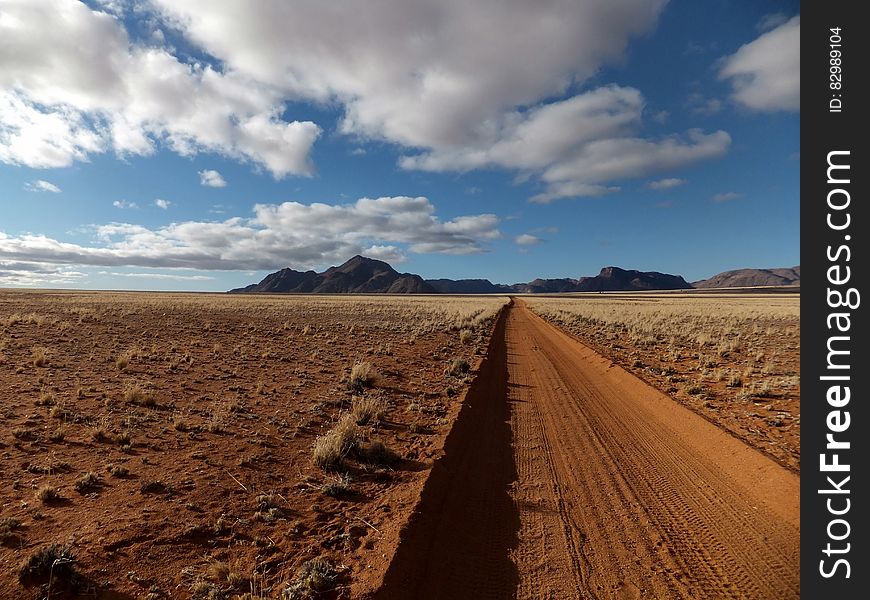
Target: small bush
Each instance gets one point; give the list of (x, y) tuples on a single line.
[(331, 448), (337, 487), (377, 453), (118, 471), (366, 410), (315, 577), (466, 336), (87, 482), (134, 393), (458, 367), (152, 487), (40, 356), (55, 561), (362, 375), (47, 494), (8, 527)]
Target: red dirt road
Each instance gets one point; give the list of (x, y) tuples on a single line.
[(567, 477)]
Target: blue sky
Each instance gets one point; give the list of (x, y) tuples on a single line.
[(193, 144)]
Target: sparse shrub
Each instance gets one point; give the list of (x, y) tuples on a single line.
[(135, 393), (377, 453), (458, 367), (39, 356), (87, 482), (362, 375), (179, 424), (367, 409), (123, 360), (8, 530), (100, 432), (316, 576), (118, 471), (22, 433), (54, 561), (734, 381), (152, 486), (337, 487), (47, 494), (693, 389), (331, 447), (466, 336)]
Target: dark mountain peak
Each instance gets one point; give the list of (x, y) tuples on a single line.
[(752, 278), (617, 279), (363, 275), (360, 275)]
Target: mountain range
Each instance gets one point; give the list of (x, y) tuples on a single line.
[(361, 275), (752, 278)]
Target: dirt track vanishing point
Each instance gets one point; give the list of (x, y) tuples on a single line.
[(567, 477)]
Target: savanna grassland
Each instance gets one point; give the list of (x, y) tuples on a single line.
[(732, 358), (213, 446)]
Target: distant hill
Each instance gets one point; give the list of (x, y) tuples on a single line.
[(362, 275), (614, 279), (468, 286), (359, 275), (752, 278)]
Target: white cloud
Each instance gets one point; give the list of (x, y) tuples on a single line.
[(620, 158), (36, 274), (73, 84), (527, 239), (665, 184), (124, 204), (765, 73), (725, 197), (211, 178), (771, 21), (161, 203), (421, 74), (702, 105), (577, 146), (41, 185), (161, 276), (275, 236)]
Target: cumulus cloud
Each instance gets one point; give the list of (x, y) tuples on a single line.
[(211, 178), (72, 84), (421, 74), (37, 274), (527, 239), (160, 276), (277, 235), (161, 203), (725, 197), (665, 184), (621, 158), (765, 73), (578, 145), (41, 185), (124, 204)]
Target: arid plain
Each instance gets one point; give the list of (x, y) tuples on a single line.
[(216, 446)]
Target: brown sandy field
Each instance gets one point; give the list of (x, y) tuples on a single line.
[(215, 446)]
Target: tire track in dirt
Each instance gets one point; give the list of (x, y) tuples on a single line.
[(567, 477)]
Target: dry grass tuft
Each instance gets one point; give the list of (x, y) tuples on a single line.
[(362, 375), (49, 562), (367, 410), (331, 448), (87, 482), (47, 494), (458, 367), (135, 393), (39, 356), (315, 577)]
